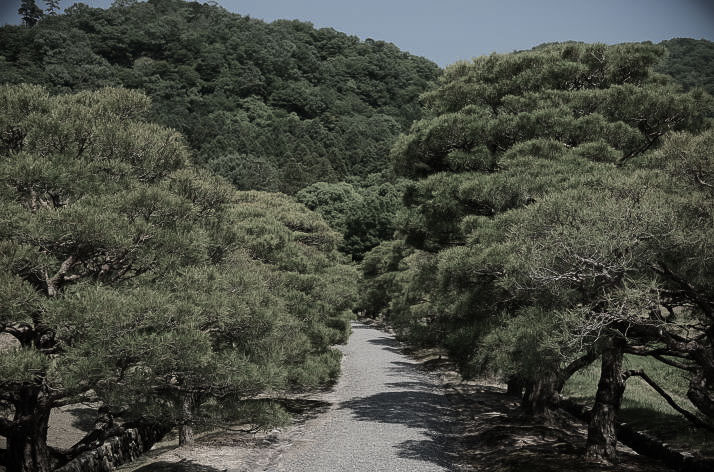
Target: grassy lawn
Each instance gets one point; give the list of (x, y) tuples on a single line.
[(644, 409)]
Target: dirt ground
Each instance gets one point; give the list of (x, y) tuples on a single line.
[(498, 437)]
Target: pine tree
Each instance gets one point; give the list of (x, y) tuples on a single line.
[(130, 279), (30, 12), (528, 212), (52, 6)]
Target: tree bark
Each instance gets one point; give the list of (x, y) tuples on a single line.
[(541, 396), (27, 449), (701, 394), (186, 426), (602, 440), (515, 386)]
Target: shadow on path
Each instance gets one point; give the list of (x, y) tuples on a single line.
[(388, 344), (498, 436), (83, 418), (303, 409), (415, 408)]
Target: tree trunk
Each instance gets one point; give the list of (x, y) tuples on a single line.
[(602, 440), (515, 386), (186, 425), (541, 396), (27, 449), (701, 394)]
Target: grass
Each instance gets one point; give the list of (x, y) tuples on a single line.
[(645, 409)]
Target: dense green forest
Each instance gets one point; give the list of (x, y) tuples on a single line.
[(690, 62), (534, 214), (269, 106)]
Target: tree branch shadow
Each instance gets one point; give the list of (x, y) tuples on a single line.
[(415, 408), (182, 466)]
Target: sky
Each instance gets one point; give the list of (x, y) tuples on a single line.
[(446, 31)]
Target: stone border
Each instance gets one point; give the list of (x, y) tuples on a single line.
[(125, 447)]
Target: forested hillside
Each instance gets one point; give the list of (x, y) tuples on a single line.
[(269, 106), (690, 62)]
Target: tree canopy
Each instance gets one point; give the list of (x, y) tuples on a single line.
[(131, 279), (363, 210), (689, 61), (537, 230)]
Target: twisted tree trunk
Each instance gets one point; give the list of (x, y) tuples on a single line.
[(602, 440), (541, 396), (27, 449)]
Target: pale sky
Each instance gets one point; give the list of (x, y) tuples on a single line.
[(449, 30)]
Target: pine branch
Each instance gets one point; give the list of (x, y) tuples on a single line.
[(643, 351), (704, 303), (687, 414), (648, 144), (52, 283), (674, 363), (583, 361)]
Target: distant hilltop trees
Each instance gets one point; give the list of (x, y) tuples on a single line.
[(269, 106)]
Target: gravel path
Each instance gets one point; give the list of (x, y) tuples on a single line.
[(385, 415), (388, 413)]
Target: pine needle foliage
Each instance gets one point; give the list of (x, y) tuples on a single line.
[(131, 279)]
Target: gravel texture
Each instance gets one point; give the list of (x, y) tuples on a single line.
[(386, 415)]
